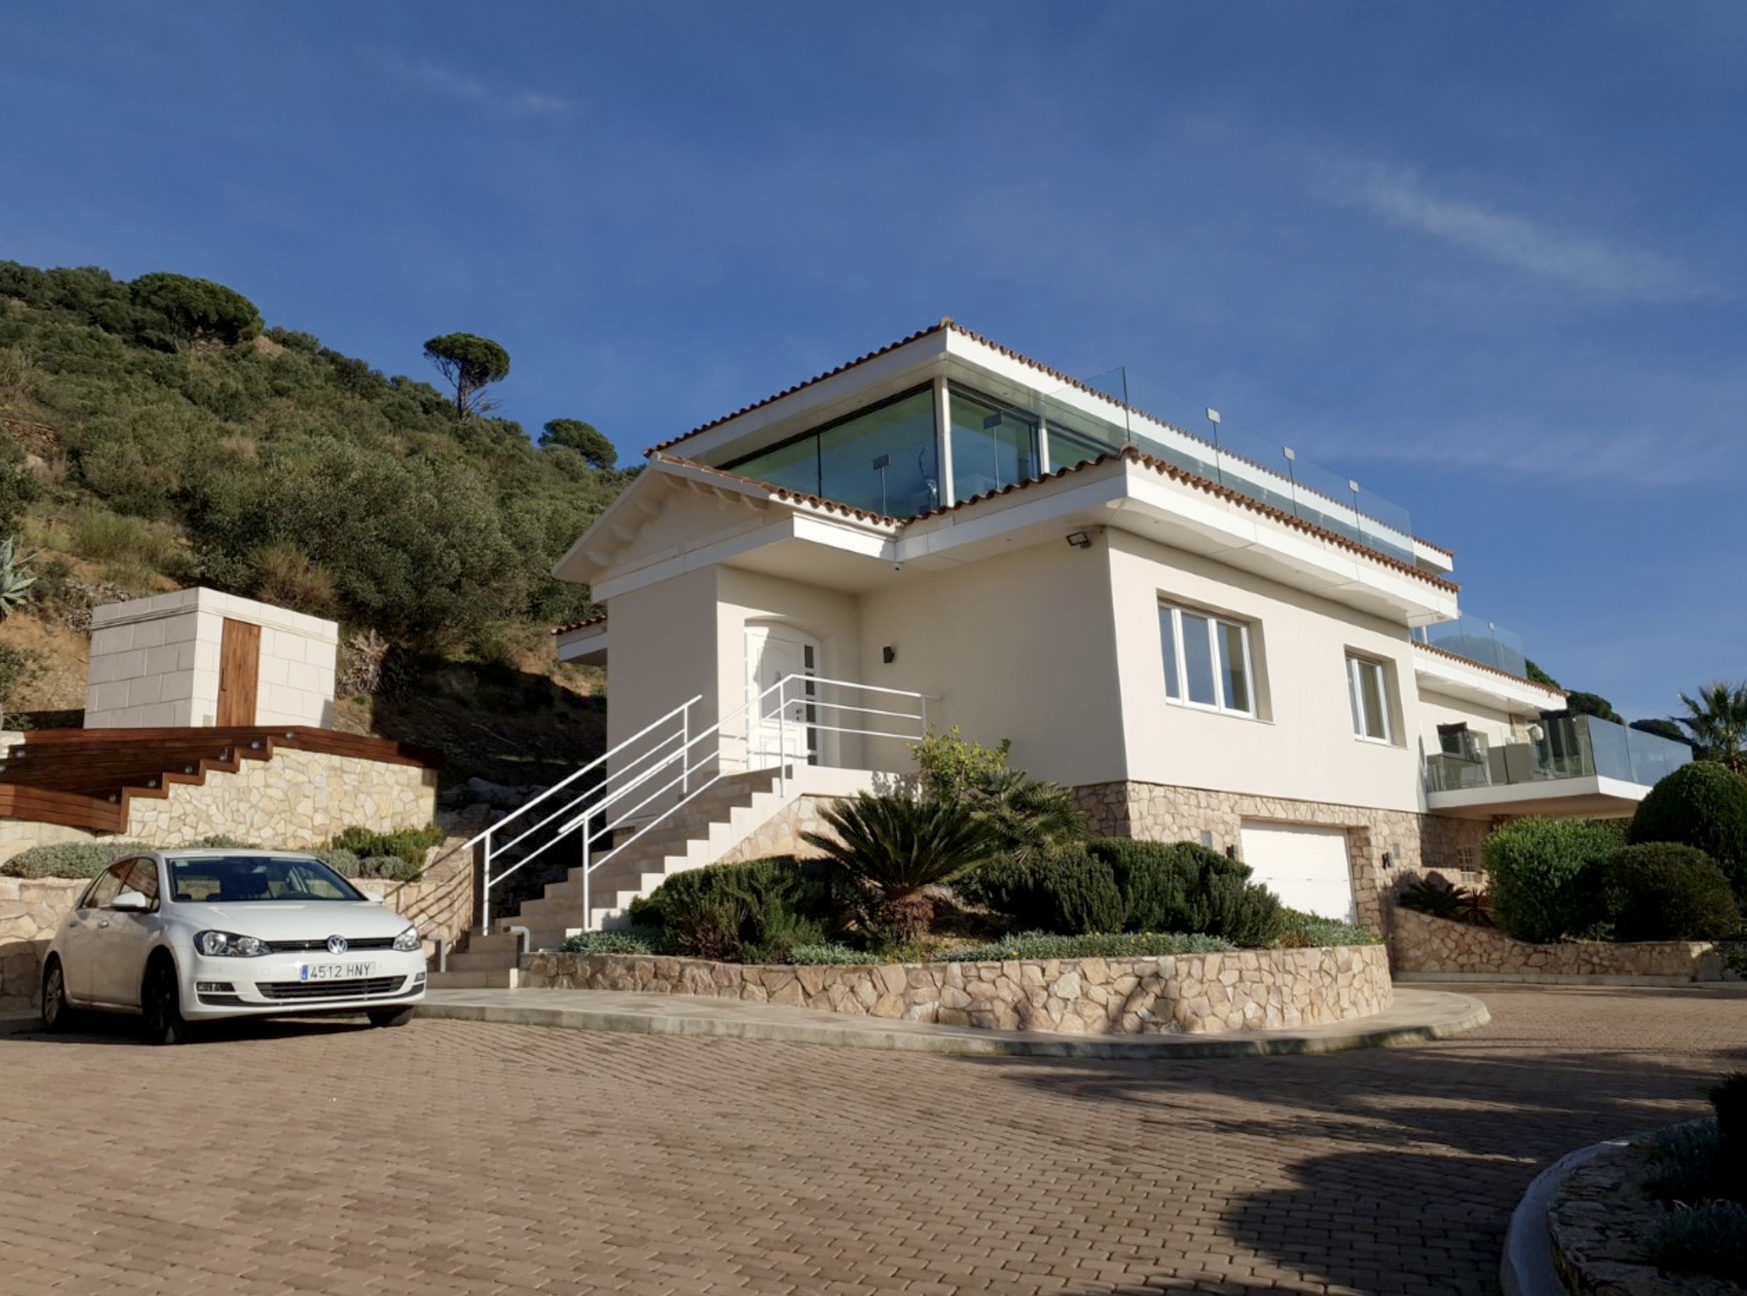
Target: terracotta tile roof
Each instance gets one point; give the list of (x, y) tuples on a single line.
[(950, 325), (1479, 665), (580, 625), (1448, 553), (1224, 492), (783, 492), (790, 391)]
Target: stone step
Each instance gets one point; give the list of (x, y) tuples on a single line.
[(483, 961)]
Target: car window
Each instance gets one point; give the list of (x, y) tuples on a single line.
[(143, 877), (107, 887)]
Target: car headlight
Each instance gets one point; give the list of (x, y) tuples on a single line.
[(219, 944), (408, 941)]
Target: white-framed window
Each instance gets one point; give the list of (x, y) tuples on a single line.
[(1368, 691), (1207, 661)]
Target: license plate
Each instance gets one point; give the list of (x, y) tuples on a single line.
[(335, 971)]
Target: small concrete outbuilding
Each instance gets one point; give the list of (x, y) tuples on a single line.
[(196, 658)]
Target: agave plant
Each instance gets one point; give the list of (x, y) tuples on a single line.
[(897, 845), (16, 578)]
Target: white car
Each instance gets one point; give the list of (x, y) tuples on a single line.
[(184, 936)]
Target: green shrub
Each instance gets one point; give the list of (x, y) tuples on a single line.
[(828, 952), (1433, 894), (1685, 1162), (410, 844), (68, 860), (390, 868), (950, 765), (20, 671), (754, 912), (1047, 945), (1070, 891), (896, 846), (1703, 805), (1709, 1238), (628, 940), (1187, 887), (1300, 930), (1536, 868), (342, 862), (1663, 891)]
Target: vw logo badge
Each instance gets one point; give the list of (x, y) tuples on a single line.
[(337, 945)]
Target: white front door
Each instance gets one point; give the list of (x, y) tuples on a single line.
[(1306, 867), (782, 723)]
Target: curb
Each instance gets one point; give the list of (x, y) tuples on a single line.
[(1526, 1268), (1461, 1013)]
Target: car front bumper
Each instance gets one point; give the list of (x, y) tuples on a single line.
[(301, 983)]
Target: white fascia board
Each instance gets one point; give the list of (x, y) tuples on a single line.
[(971, 525), (1436, 673), (574, 566), (1432, 557), (1235, 526), (905, 366), (1519, 795), (587, 643), (767, 529)]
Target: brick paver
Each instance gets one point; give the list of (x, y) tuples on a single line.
[(451, 1157)]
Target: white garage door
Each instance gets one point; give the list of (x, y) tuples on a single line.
[(1305, 867)]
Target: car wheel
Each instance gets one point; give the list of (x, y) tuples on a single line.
[(57, 1013), (390, 1016), (161, 998)]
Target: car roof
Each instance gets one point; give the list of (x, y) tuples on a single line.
[(221, 852)]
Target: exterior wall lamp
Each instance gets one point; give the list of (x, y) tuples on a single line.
[(1080, 539)]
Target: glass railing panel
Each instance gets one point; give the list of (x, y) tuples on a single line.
[(1479, 640), (1613, 757), (1185, 433)]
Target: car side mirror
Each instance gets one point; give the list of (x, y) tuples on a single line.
[(130, 902), (371, 896)]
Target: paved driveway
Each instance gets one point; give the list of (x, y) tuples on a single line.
[(453, 1157)]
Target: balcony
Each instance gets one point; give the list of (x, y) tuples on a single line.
[(1479, 640), (1570, 765)]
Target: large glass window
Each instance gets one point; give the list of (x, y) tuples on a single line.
[(1368, 691), (1207, 661), (882, 459), (991, 447)]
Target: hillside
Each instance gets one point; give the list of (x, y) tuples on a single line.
[(155, 435)]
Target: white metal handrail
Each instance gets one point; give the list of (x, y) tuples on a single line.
[(666, 765)]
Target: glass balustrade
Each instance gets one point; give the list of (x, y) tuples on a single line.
[(1566, 747), (1479, 640), (1186, 434)]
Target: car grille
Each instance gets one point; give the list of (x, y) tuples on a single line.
[(299, 946), (364, 988)]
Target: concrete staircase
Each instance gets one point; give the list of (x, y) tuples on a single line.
[(699, 833)]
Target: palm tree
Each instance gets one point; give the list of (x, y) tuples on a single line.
[(1717, 720), (897, 846)]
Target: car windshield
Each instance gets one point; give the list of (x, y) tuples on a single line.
[(256, 878)]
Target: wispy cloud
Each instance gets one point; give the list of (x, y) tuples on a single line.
[(464, 86), (1518, 242)]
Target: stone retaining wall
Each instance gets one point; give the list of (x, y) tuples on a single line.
[(1430, 947), (1172, 994), (297, 799)]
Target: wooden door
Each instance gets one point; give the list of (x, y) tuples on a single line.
[(239, 668)]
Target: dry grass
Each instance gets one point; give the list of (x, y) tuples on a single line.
[(67, 654)]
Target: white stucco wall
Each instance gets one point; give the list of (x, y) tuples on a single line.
[(1302, 745), (155, 662)]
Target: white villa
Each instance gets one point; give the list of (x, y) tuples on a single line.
[(1206, 645)]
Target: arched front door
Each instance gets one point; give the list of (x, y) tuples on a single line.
[(789, 733)]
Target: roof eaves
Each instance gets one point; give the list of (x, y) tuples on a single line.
[(783, 492), (580, 625), (1491, 670)]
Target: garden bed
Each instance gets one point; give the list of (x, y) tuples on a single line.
[(1428, 948), (1203, 994)]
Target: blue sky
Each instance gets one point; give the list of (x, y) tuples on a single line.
[(1486, 258)]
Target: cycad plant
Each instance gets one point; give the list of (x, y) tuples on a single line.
[(1717, 721), (896, 846), (16, 578)]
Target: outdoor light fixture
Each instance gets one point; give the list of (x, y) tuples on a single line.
[(1388, 860), (1080, 539), (888, 654)]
